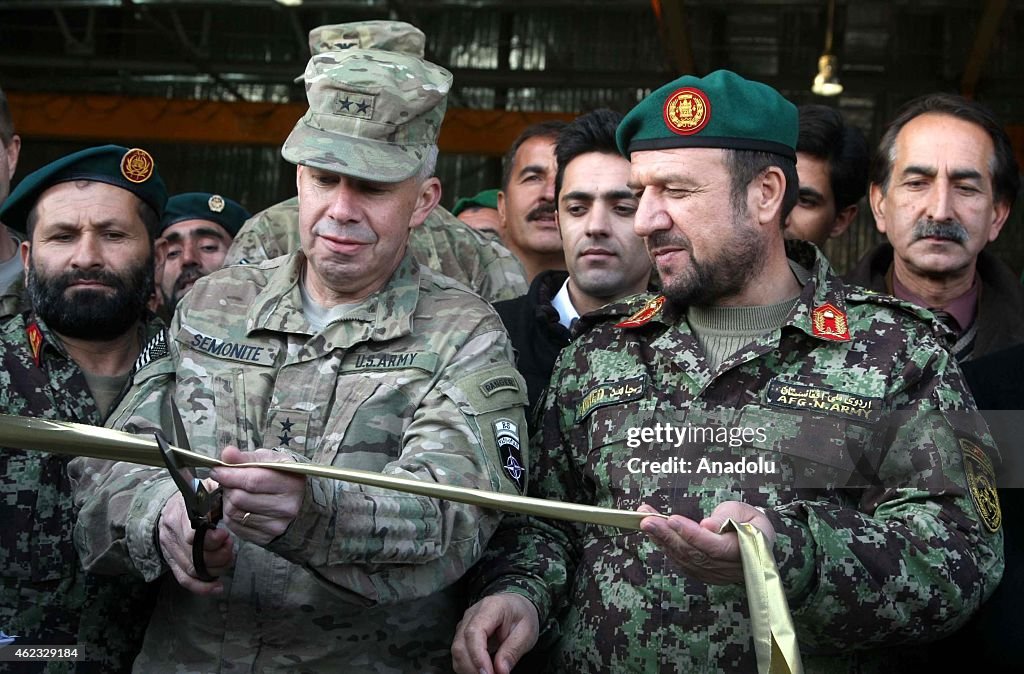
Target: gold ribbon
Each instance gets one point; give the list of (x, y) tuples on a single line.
[(772, 625), (774, 635)]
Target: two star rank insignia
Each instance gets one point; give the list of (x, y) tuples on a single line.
[(285, 438)]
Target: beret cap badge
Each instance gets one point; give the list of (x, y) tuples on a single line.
[(687, 111), (216, 203), (137, 165)]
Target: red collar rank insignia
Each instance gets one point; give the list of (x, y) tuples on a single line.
[(642, 317), (35, 341), (830, 323)]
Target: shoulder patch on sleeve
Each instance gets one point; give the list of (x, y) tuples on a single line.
[(981, 483), (506, 435)]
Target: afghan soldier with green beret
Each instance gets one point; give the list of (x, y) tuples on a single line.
[(347, 353), (195, 233), (480, 211), (759, 387), (443, 243), (90, 220)]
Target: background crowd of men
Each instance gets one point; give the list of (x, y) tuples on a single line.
[(662, 266)]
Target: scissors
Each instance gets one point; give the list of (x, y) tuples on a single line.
[(204, 508)]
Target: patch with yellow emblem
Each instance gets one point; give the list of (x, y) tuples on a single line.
[(829, 322), (641, 317), (687, 111), (137, 165), (981, 483)]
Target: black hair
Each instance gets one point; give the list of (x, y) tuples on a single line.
[(592, 132), (549, 129), (1005, 173), (824, 135)]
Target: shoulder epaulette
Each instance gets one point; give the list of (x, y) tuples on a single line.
[(858, 295)]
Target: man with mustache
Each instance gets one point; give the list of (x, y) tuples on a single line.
[(943, 182), (89, 221), (348, 353), (526, 202), (605, 259), (756, 352), (197, 229)]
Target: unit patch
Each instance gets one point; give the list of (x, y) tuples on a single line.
[(824, 400), (506, 433), (981, 482), (614, 393)]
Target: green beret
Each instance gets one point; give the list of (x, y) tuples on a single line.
[(720, 110), (227, 213), (130, 169), (485, 199)]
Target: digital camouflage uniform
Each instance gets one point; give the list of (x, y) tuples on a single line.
[(906, 559), (415, 381), (45, 597), (443, 243)]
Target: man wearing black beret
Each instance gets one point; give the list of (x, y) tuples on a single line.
[(197, 229), (90, 220)]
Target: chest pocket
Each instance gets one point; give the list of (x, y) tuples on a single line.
[(608, 419), (823, 434)]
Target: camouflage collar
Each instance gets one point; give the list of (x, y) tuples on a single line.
[(385, 315)]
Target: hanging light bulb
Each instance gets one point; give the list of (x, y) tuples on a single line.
[(826, 82)]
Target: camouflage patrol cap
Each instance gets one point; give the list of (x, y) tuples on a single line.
[(720, 110), (372, 114), (225, 212), (387, 35), (130, 169)]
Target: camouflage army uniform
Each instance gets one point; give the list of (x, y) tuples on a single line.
[(415, 381), (905, 560), (442, 243), (45, 597)]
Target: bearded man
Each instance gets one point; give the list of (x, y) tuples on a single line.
[(90, 220)]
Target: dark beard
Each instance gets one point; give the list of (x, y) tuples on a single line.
[(92, 315), (708, 281)]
